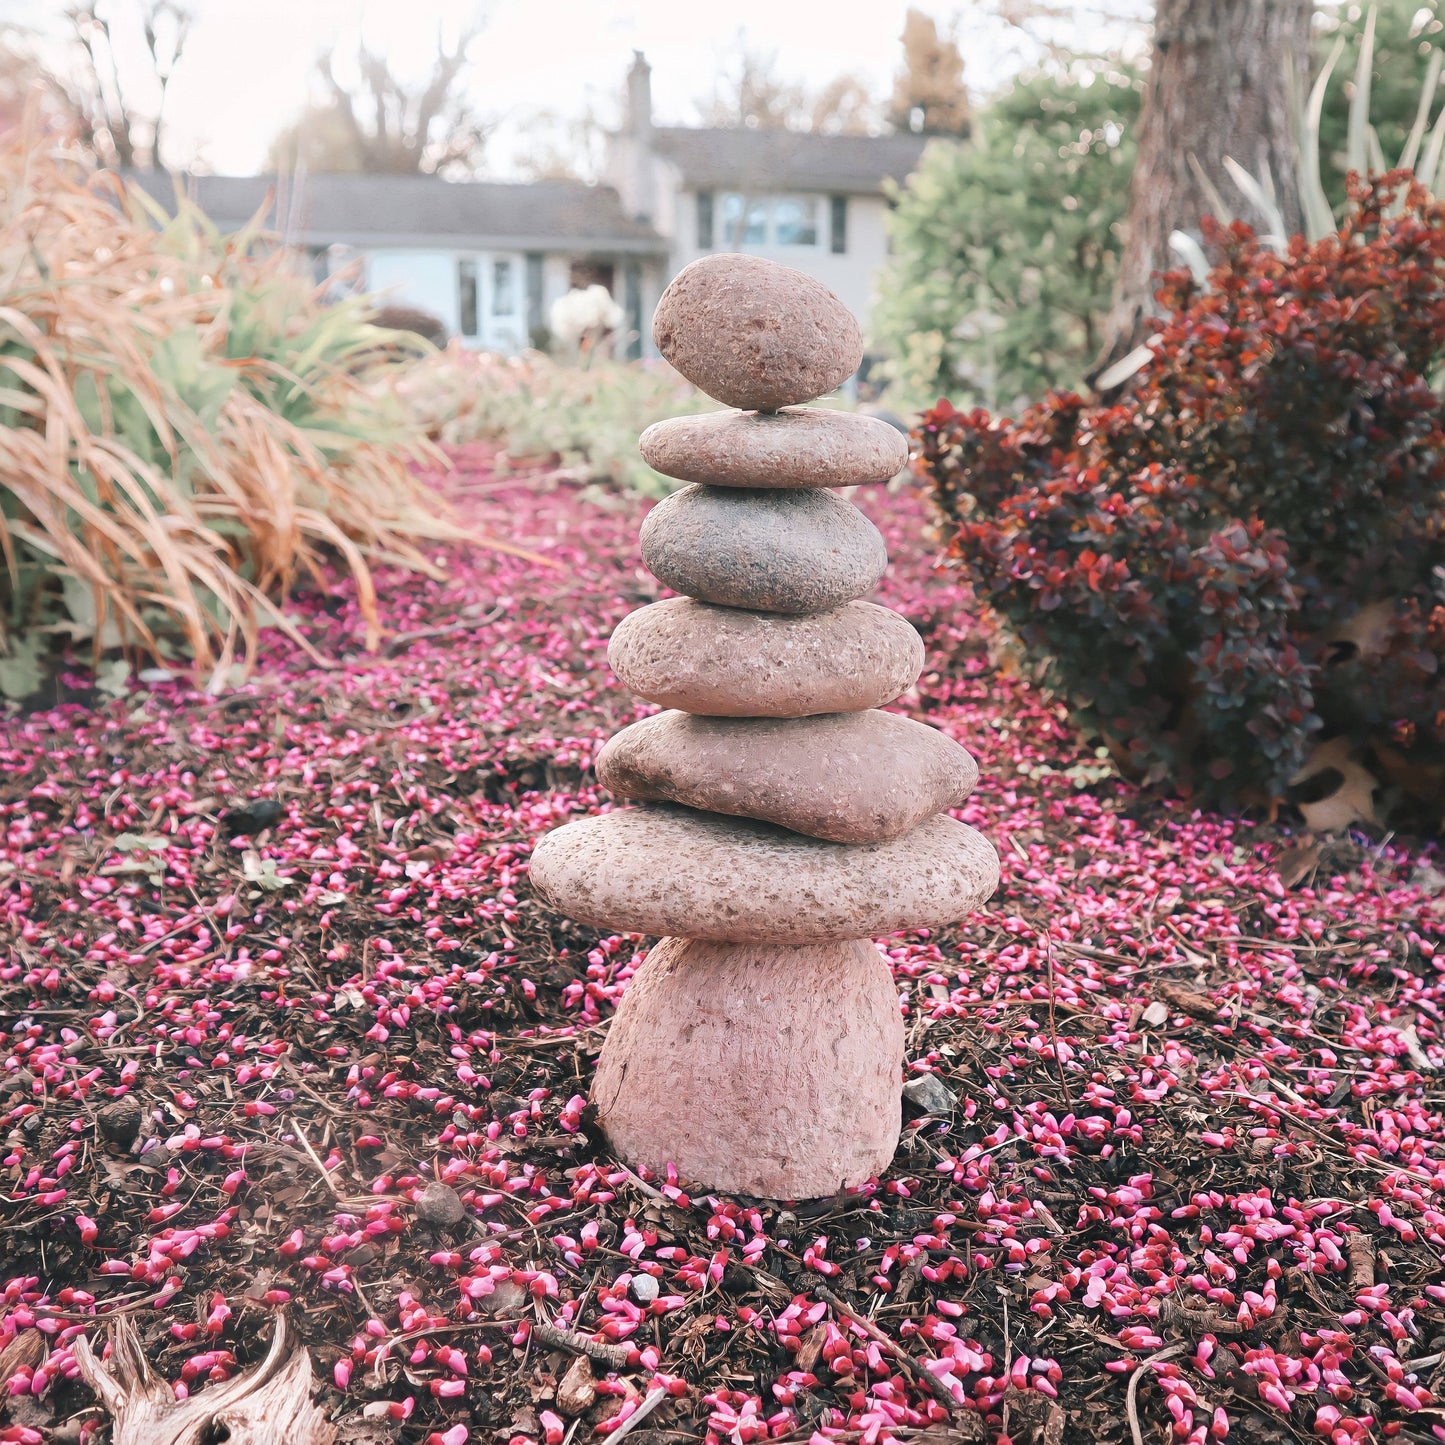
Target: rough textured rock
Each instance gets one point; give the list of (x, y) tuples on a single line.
[(766, 551), (861, 777), (723, 663), (720, 1062), (754, 334), (808, 448), (441, 1205), (666, 870)]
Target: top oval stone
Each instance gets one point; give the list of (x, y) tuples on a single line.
[(754, 334)]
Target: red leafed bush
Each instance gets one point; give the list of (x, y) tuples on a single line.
[(1248, 545)]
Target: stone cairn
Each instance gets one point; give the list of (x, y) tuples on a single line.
[(784, 820)]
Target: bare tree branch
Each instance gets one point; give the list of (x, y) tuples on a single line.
[(411, 129)]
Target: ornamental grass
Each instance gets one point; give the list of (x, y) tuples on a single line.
[(186, 430)]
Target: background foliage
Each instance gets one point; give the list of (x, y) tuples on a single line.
[(1005, 247), (184, 429), (1406, 33), (583, 418), (1249, 545)]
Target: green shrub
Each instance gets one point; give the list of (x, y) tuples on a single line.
[(1250, 544), (1005, 247), (584, 418), (1406, 32)]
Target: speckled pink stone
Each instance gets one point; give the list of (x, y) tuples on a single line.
[(852, 777), (755, 1068), (754, 334)]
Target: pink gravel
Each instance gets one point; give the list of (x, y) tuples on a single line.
[(1199, 1146)]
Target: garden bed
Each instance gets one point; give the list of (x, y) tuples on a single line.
[(1192, 1182)]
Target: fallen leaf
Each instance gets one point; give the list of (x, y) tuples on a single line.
[(1188, 1000), (1297, 862), (1350, 799), (577, 1389)]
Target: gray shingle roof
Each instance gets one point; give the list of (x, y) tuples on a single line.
[(401, 210), (741, 157)]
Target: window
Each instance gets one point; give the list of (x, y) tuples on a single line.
[(838, 216), (504, 296), (795, 221), (769, 220), (740, 229), (704, 220), (467, 296)]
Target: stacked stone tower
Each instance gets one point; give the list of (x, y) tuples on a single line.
[(783, 820)]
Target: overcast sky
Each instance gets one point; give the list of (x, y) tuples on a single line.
[(250, 65)]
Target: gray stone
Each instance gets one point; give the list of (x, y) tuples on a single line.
[(862, 777), (754, 334), (764, 551), (929, 1093), (665, 870), (808, 447), (725, 663), (440, 1205)]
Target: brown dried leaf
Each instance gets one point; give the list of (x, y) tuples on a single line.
[(25, 1350), (1351, 801), (1297, 862), (1367, 633), (577, 1389), (1187, 1000)]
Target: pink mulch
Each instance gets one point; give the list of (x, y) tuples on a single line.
[(1197, 1159)]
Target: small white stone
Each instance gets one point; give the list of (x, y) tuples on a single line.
[(644, 1289)]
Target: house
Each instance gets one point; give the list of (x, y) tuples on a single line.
[(816, 202), (489, 258), (486, 258)]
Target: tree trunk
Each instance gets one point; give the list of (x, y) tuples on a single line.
[(1218, 86)]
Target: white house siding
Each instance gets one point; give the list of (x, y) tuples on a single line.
[(431, 280), (424, 279), (851, 276)]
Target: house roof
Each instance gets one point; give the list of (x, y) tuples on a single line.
[(318, 210), (740, 156)]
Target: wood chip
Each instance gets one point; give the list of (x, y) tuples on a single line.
[(577, 1389)]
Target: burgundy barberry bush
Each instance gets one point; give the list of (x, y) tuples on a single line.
[(1247, 547)]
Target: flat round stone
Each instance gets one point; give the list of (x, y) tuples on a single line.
[(715, 1062), (765, 551), (859, 777), (754, 334), (798, 448), (667, 870), (725, 663)]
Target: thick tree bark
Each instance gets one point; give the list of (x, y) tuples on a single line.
[(1218, 86)]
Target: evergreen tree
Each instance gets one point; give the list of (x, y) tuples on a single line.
[(1005, 247)]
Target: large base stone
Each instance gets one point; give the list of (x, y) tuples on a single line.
[(719, 1063)]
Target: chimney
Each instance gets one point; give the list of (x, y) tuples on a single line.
[(639, 95)]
